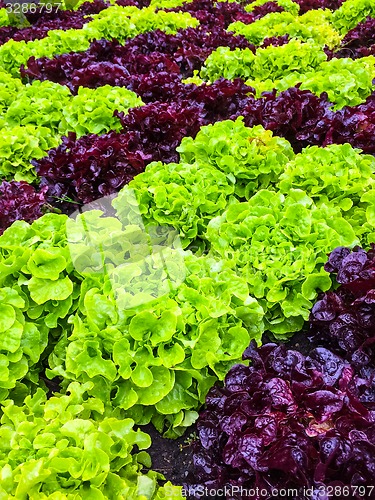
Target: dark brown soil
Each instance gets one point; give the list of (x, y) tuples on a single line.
[(171, 457), (301, 343)]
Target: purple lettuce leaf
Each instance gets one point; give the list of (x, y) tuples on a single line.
[(212, 15), (358, 42), (306, 5), (83, 170), (298, 115), (275, 41), (20, 201), (344, 319), (287, 421), (143, 55)]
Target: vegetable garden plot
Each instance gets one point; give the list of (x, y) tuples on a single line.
[(182, 182)]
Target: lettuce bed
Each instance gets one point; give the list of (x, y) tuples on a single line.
[(179, 178)]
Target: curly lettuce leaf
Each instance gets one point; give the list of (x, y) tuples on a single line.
[(271, 62), (315, 26), (66, 446), (279, 244), (91, 110)]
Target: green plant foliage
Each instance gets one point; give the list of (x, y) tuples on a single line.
[(195, 79), (225, 160), (65, 447), (315, 26), (230, 64), (15, 53), (347, 82), (279, 245), (337, 174), (9, 88), (38, 104), (151, 348), (34, 116), (269, 63), (22, 343), (252, 157), (125, 22), (34, 281), (4, 18), (91, 110), (362, 217), (167, 4), (270, 25), (351, 13), (135, 323), (19, 145), (36, 258), (180, 195)]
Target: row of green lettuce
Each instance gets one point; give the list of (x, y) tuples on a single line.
[(347, 82), (68, 448), (322, 26), (341, 20), (314, 25), (302, 60)]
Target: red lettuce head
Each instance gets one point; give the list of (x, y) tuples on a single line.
[(345, 318), (20, 201), (287, 421)]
